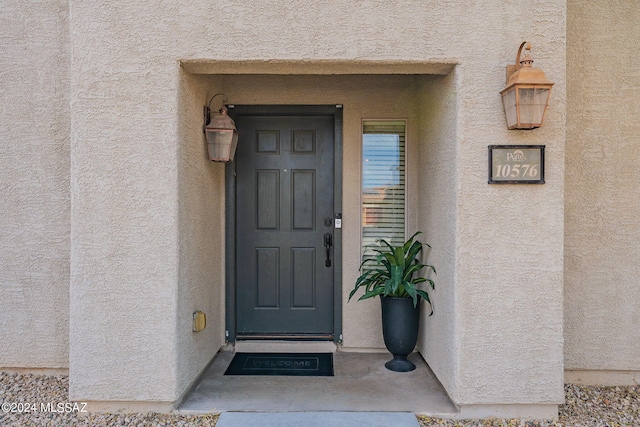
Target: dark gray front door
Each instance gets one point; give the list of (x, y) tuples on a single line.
[(284, 219)]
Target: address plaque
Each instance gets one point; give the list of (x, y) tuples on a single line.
[(516, 164)]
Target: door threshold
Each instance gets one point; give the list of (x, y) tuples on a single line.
[(282, 346), (284, 337)]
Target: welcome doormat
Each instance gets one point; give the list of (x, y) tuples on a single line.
[(288, 364)]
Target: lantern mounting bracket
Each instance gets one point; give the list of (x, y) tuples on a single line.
[(207, 108), (512, 68)]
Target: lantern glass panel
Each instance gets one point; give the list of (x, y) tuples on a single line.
[(533, 101), (509, 101), (234, 144), (219, 142)]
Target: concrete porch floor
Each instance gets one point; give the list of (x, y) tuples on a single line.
[(360, 383)]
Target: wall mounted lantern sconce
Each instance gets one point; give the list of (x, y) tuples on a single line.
[(526, 96), (221, 132)]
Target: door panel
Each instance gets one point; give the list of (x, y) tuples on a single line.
[(303, 190), (284, 167), (267, 277), (268, 194), (303, 266)]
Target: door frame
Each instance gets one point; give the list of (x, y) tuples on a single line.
[(230, 208)]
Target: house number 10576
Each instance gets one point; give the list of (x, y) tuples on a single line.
[(516, 171), (516, 164)]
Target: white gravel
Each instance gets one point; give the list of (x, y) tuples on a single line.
[(40, 389), (584, 407)]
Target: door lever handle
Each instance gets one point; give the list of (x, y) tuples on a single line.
[(328, 242)]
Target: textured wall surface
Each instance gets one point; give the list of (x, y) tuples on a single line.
[(436, 210), (124, 212), (140, 207), (602, 292), (507, 239), (493, 243), (201, 235), (509, 244), (34, 184)]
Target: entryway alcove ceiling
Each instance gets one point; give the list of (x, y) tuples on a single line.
[(317, 66)]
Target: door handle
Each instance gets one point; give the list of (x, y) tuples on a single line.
[(328, 242)]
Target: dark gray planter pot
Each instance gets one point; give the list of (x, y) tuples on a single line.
[(400, 321)]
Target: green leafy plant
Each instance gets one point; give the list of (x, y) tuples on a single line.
[(390, 272)]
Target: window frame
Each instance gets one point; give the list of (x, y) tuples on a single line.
[(362, 174)]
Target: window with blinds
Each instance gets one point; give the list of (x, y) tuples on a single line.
[(383, 181)]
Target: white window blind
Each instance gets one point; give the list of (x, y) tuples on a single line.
[(383, 181)]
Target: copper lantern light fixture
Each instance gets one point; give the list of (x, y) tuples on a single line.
[(221, 132), (526, 96)]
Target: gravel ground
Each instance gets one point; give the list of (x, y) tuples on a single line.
[(40, 389), (584, 407)]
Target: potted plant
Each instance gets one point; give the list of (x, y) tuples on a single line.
[(389, 273)]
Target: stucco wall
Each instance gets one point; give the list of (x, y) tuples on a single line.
[(201, 204), (602, 313), (436, 211), (124, 213), (499, 298), (129, 288), (509, 255), (137, 183), (34, 184), (492, 245), (509, 266)]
